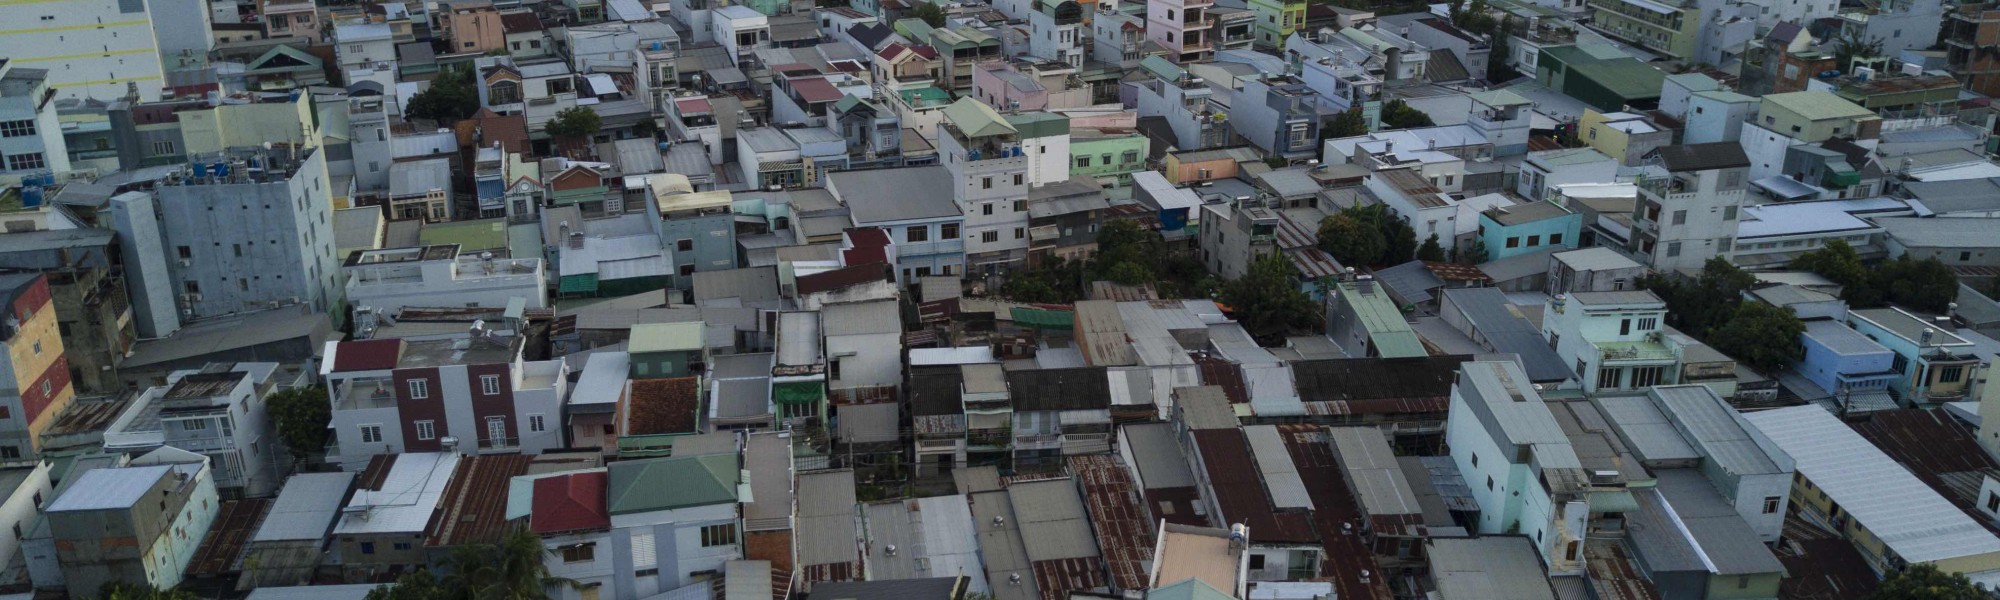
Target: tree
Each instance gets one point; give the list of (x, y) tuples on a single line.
[(1400, 237), (1497, 69), (1698, 305), (1926, 285), (1056, 282), (301, 415), (1350, 123), (929, 12), (1839, 263), (1266, 301), (1851, 47), (575, 122), (1397, 114), (510, 570), (1351, 240), (451, 97), (1925, 582), (1761, 336), (1431, 251), (119, 590)]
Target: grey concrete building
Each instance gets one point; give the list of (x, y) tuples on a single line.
[(89, 296)]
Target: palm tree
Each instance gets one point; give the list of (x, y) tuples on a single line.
[(511, 570)]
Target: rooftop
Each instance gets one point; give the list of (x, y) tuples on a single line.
[(1488, 567), (637, 486), (1201, 553)]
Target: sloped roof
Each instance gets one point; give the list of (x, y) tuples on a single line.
[(570, 502), (638, 486), (975, 119)]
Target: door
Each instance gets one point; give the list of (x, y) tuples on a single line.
[(496, 432)]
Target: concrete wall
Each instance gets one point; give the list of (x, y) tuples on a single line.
[(251, 244)]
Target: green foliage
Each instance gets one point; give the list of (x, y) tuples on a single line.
[(1127, 253), (300, 416), (1926, 285), (1351, 240), (1401, 238), (118, 590), (1475, 17), (1350, 123), (575, 122), (1697, 306), (1497, 70), (510, 570), (1431, 250), (1057, 282), (1851, 47), (451, 97), (1266, 301), (929, 12), (1397, 114), (1761, 336), (1925, 582)]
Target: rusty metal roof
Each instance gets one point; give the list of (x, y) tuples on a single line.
[(474, 507), (1124, 535), (223, 546), (1335, 510), (1232, 475)]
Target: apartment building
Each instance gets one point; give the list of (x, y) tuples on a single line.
[(88, 48), (390, 279), (1182, 27), (138, 525), (1615, 340), (470, 395), (989, 169), (35, 370), (31, 139), (1518, 463), (1931, 363), (1688, 205), (218, 412), (640, 527)]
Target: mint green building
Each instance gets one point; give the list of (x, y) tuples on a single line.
[(1110, 156), (1276, 20)]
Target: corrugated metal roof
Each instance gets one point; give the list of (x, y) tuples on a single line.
[(405, 498), (1913, 520), (949, 546), (1157, 456), (826, 534), (1372, 471), (862, 318), (1281, 477), (1717, 430), (305, 508), (1486, 568), (1001, 545), (1719, 534), (1645, 430), (1054, 523), (767, 457)]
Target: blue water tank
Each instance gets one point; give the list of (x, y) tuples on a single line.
[(31, 196), (200, 170), (665, 145), (221, 169)]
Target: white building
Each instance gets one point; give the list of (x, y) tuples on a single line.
[(392, 278), (31, 138), (1688, 205), (1615, 340), (739, 30), (619, 535), (864, 346), (471, 395), (1518, 463), (218, 412), (91, 48)]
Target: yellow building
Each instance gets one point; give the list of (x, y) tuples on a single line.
[(1621, 135), (37, 375), (1849, 485)]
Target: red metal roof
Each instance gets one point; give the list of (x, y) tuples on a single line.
[(1939, 449), (367, 355), (376, 472), (866, 245), (474, 507), (571, 502), (842, 277), (1124, 531), (1057, 578), (816, 90), (1334, 511), (1239, 488)]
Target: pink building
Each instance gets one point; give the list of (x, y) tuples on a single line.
[(1181, 26), (1034, 85), (284, 18)]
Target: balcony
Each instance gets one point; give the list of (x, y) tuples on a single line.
[(506, 444), (914, 249), (1626, 353), (204, 444), (363, 394)]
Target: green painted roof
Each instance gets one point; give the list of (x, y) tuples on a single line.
[(471, 236), (578, 284), (666, 337), (1696, 82), (1162, 68), (1392, 336), (1043, 318), (1818, 106), (1626, 77), (914, 29), (976, 119), (924, 97), (1499, 97), (1726, 96), (1188, 589), (668, 483), (1039, 124)]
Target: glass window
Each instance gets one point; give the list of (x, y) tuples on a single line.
[(420, 389), (371, 434), (718, 535), (917, 233), (25, 127), (948, 231), (426, 430), (489, 385)]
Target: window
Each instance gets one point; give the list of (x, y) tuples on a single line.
[(26, 162), (1555, 239), (576, 553), (1950, 374), (684, 245), (1534, 240), (1017, 176), (371, 434), (367, 547), (420, 389), (986, 183), (1489, 483), (1993, 503), (1624, 327), (25, 127), (1673, 248), (1771, 504), (426, 430), (1513, 242), (1964, 256), (1256, 561), (989, 236), (489, 385), (1020, 232), (1728, 213), (1648, 323), (1607, 378), (536, 423), (194, 425), (1645, 377), (917, 233), (1475, 459), (1020, 206), (718, 535), (986, 208), (1083, 162), (401, 545), (948, 231), (1130, 156), (10, 452), (1680, 217)]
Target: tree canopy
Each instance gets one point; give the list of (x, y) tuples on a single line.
[(1367, 236), (1925, 582), (451, 97), (300, 415), (1349, 123), (1698, 305), (1266, 301), (1926, 285), (510, 570), (1397, 114), (1431, 250), (1761, 336), (929, 12), (119, 590), (575, 122), (1127, 253)]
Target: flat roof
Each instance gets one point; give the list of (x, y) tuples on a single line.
[(1201, 553), (1487, 568), (305, 507), (1913, 520), (1718, 430), (110, 488)]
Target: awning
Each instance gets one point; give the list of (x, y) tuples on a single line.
[(1786, 188), (579, 284), (1044, 318), (809, 392), (1618, 502)]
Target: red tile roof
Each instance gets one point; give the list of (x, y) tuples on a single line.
[(659, 406), (571, 502), (474, 507), (520, 22), (367, 355)]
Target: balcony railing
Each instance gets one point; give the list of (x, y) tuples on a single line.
[(1634, 351), (930, 248), (500, 443)]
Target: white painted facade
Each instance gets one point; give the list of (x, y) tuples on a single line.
[(92, 48)]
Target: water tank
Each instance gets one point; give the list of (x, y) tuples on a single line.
[(31, 195), (200, 170), (221, 169)]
